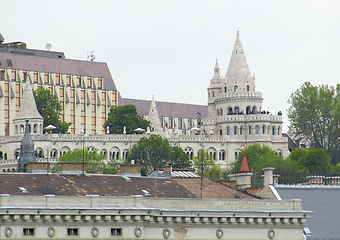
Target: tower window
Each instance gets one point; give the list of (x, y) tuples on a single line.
[(235, 88), (247, 88)]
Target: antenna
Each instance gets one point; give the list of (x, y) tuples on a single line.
[(90, 56), (48, 46)]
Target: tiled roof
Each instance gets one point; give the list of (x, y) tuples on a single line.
[(64, 66), (168, 109), (323, 201), (113, 185)]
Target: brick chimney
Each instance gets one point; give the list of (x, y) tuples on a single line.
[(130, 170), (71, 168), (38, 167)]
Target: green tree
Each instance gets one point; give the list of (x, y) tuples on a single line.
[(50, 108), (314, 117), (125, 116), (205, 166), (155, 152), (93, 160)]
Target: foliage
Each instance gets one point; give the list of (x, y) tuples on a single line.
[(50, 108), (155, 152), (124, 116), (314, 160), (92, 159), (205, 166), (314, 117)]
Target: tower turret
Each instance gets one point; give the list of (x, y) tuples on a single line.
[(26, 149)]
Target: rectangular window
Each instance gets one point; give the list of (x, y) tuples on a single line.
[(100, 83), (79, 81), (2, 73), (89, 85), (116, 232), (46, 78), (28, 231), (9, 63), (73, 231), (14, 77), (35, 77), (57, 79), (114, 99), (68, 80), (24, 76)]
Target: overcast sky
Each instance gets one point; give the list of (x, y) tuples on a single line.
[(168, 48)]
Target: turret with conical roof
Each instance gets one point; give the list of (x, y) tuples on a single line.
[(28, 110), (154, 118), (26, 149)]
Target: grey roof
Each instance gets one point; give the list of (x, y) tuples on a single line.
[(59, 65), (323, 200), (168, 109), (32, 52)]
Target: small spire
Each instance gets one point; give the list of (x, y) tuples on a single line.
[(154, 118), (244, 165), (217, 71)]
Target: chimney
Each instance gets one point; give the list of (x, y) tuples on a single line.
[(130, 170), (268, 177), (168, 169), (71, 168), (38, 167), (243, 179)]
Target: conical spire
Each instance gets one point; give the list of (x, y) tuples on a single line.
[(154, 118), (28, 107), (217, 74), (26, 149), (238, 66), (244, 165)]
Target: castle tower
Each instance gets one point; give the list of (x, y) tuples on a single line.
[(28, 110)]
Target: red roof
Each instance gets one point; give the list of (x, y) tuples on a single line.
[(244, 165)]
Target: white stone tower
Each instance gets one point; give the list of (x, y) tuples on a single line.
[(28, 110)]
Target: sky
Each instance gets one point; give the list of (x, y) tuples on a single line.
[(168, 48)]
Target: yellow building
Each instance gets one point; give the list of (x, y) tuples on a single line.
[(85, 89)]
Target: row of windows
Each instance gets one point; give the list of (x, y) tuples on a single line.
[(226, 90), (31, 231), (58, 79), (251, 130)]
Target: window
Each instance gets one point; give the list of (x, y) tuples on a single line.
[(256, 129), (235, 130), (247, 88), (89, 85), (235, 155), (28, 231), (235, 88), (116, 232), (240, 130), (249, 130), (222, 155), (72, 231), (273, 130), (263, 129), (225, 89), (228, 130), (100, 83), (9, 63), (221, 132), (278, 131), (68, 80)]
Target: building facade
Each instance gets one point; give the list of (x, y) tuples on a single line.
[(85, 89), (233, 119)]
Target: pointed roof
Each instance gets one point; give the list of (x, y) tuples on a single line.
[(244, 165), (28, 108), (217, 74), (154, 118), (26, 149), (238, 65)]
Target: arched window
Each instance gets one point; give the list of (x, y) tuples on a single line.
[(235, 130), (241, 130), (256, 129), (235, 155), (263, 129), (189, 151), (248, 110), (221, 112), (222, 155), (230, 110), (278, 131), (218, 112), (249, 130), (213, 95), (237, 109), (221, 132), (228, 130), (247, 88), (225, 89), (235, 88), (273, 130)]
